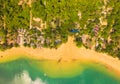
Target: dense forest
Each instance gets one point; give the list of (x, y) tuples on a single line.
[(95, 24)]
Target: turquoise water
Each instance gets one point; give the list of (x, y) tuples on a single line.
[(12, 73)]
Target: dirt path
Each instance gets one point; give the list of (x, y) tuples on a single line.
[(105, 2)]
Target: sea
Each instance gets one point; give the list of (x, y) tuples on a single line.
[(29, 71)]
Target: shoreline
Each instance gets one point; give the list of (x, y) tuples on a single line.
[(66, 52)]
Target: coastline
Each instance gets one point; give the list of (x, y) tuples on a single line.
[(66, 52)]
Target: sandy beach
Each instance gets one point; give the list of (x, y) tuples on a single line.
[(66, 52)]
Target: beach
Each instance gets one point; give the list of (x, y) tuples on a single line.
[(66, 52)]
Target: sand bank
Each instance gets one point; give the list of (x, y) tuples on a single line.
[(66, 52)]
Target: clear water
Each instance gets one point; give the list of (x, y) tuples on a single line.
[(25, 71)]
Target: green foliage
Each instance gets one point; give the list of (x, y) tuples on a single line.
[(78, 41), (64, 15), (38, 9), (16, 16)]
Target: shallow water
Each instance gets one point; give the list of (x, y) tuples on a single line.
[(26, 71)]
